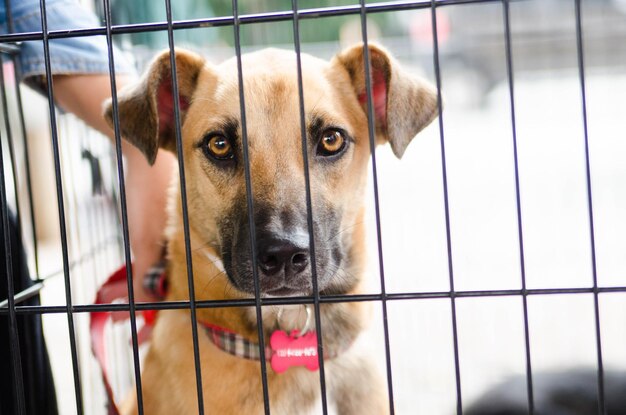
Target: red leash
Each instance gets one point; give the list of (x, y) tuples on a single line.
[(156, 282)]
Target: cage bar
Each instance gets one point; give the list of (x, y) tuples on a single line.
[(250, 206), (371, 129), (334, 298), (309, 207), (12, 307), (123, 208), (14, 341), (452, 293), (518, 204), (592, 237), (61, 207), (183, 195), (242, 20)]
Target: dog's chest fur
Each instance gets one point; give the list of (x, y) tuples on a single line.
[(228, 382)]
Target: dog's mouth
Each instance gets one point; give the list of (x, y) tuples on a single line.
[(285, 291), (275, 286)]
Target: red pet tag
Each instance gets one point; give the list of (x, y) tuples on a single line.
[(292, 350)]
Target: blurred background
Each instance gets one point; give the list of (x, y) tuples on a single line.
[(477, 133)]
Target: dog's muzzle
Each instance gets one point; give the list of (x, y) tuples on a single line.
[(283, 263)]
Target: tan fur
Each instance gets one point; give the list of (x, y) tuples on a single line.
[(232, 385)]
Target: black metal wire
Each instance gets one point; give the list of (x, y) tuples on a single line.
[(9, 48), (11, 146), (14, 340), (455, 335), (309, 207), (17, 67), (326, 299), (61, 208), (13, 51), (11, 309), (250, 205), (92, 253), (183, 196), (124, 208), (23, 295), (520, 232), (243, 19), (371, 128), (592, 238)]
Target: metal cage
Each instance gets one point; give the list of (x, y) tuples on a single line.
[(85, 235)]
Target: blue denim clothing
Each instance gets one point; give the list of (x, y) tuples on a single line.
[(79, 55)]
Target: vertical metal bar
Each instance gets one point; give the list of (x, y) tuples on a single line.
[(455, 335), (11, 146), (250, 204), (27, 341), (379, 239), (124, 208), (61, 207), (183, 195), (17, 69), (592, 239), (309, 207), (14, 343), (17, 76), (18, 94), (509, 71), (29, 186)]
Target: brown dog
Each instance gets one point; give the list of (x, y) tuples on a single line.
[(338, 154)]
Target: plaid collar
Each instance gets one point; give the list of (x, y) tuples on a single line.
[(237, 345), (155, 282), (234, 343)]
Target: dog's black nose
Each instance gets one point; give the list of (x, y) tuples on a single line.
[(276, 255)]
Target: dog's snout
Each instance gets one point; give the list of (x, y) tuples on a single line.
[(277, 255)]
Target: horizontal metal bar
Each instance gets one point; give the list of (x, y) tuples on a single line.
[(347, 298), (101, 246), (9, 48), (244, 19), (23, 295)]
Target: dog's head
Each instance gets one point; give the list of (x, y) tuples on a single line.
[(337, 144)]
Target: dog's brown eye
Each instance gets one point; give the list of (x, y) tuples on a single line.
[(332, 142), (219, 147)]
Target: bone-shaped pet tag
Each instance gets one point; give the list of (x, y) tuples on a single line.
[(293, 350)]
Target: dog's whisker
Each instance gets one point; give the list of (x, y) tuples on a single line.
[(212, 279), (203, 245), (344, 230), (341, 273)]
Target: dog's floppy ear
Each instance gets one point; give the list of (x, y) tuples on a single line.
[(403, 104), (146, 108)]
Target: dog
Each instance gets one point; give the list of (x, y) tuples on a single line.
[(338, 144)]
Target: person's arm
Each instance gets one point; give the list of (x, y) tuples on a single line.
[(146, 186)]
